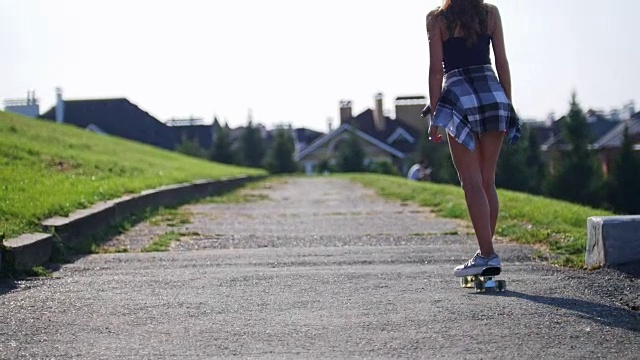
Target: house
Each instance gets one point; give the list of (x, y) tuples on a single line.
[(599, 125), (606, 136), (609, 145), (118, 117), (29, 107), (194, 129), (303, 137), (381, 137)]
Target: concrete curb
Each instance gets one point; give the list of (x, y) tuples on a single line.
[(29, 250), (613, 241), (35, 249)]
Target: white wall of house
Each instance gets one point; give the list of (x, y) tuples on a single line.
[(310, 167)]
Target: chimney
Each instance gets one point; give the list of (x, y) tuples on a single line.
[(59, 106), (345, 111), (330, 124), (630, 109), (378, 114)]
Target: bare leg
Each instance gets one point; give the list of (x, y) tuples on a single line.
[(489, 150), (476, 171)]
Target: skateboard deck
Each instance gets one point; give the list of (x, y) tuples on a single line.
[(484, 281)]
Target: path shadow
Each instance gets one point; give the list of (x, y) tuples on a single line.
[(606, 315), (632, 270), (11, 281), (7, 286)]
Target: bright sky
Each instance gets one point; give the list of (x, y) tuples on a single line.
[(292, 61)]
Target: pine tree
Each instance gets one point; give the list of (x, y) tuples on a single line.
[(512, 171), (190, 147), (624, 179), (535, 164), (578, 175), (221, 151), (439, 160), (350, 157), (280, 156), (251, 146)]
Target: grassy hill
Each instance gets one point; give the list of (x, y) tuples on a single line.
[(557, 228), (49, 169)]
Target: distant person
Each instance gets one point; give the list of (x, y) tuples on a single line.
[(419, 171), (474, 106)]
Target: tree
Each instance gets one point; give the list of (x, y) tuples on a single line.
[(578, 176), (350, 156), (438, 158), (512, 171), (383, 167), (624, 179), (521, 167), (280, 156), (536, 165), (221, 151), (190, 147), (251, 146)]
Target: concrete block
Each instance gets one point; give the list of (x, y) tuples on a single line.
[(76, 228), (613, 241), (29, 250), (35, 249), (81, 224)]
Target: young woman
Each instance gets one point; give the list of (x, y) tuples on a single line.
[(474, 107)]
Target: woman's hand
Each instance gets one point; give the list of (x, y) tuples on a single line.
[(434, 135)]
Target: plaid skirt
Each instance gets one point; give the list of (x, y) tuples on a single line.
[(474, 102)]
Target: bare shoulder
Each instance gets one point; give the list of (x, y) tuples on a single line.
[(493, 15), (434, 18), (492, 9), (433, 13)]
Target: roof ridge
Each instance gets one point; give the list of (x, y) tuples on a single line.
[(98, 99)]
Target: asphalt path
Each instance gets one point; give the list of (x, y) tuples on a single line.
[(319, 269)]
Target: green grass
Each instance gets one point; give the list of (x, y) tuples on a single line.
[(49, 169), (248, 192), (557, 228), (162, 242), (171, 217), (235, 198)]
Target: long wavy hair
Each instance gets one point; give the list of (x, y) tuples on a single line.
[(469, 16)]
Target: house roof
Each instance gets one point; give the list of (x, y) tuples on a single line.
[(395, 138), (118, 117), (615, 137), (598, 127), (344, 128), (540, 129), (306, 136), (365, 123)]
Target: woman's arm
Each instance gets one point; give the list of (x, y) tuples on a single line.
[(436, 73), (502, 64)]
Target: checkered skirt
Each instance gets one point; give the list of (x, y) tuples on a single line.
[(474, 102)]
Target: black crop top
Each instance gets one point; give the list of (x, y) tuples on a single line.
[(457, 54)]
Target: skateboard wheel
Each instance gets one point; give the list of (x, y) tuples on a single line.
[(479, 285), (466, 281), (501, 285)]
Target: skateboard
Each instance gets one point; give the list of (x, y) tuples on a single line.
[(484, 281)]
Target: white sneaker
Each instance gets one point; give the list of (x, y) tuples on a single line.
[(476, 265)]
